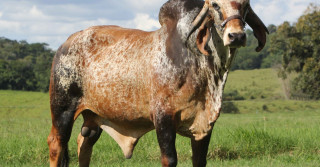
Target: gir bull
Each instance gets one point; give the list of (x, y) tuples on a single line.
[(128, 82)]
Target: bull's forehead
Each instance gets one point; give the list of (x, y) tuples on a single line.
[(231, 7)]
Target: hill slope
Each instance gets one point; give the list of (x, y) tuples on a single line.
[(260, 91), (255, 84)]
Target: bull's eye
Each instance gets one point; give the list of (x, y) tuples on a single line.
[(215, 6)]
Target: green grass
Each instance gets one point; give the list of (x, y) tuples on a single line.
[(263, 139), (284, 133), (255, 84)]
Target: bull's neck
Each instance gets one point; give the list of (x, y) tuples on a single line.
[(222, 55)]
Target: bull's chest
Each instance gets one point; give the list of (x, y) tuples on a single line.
[(198, 103)]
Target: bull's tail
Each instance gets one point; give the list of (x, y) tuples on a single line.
[(64, 103)]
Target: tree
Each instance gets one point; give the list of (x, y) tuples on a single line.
[(24, 66), (299, 45), (42, 71)]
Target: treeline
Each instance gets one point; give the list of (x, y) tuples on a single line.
[(299, 45), (24, 66)]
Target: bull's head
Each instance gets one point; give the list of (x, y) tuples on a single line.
[(229, 18)]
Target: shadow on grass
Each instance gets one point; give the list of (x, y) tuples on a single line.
[(244, 143)]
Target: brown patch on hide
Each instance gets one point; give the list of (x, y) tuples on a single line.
[(235, 5)]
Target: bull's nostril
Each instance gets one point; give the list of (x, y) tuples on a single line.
[(243, 36), (232, 36)]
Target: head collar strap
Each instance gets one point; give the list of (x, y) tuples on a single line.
[(224, 23)]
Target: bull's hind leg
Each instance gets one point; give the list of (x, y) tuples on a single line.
[(59, 137), (63, 108), (89, 135), (199, 151), (166, 135)]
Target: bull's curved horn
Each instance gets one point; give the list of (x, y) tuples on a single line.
[(198, 20)]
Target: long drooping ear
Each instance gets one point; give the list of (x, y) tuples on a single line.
[(259, 29), (203, 37), (204, 33)]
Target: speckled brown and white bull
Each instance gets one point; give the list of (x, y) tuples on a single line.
[(128, 82)]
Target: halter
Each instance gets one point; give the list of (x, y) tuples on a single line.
[(224, 23)]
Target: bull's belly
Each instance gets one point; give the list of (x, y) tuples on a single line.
[(127, 122), (125, 132), (193, 119), (117, 108)]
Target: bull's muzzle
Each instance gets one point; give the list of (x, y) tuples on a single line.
[(237, 39)]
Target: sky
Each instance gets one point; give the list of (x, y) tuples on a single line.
[(52, 21)]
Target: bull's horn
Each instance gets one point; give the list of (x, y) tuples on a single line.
[(198, 20)]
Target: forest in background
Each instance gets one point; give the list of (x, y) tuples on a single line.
[(24, 66), (291, 48)]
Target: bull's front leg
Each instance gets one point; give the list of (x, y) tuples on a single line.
[(166, 134), (200, 150)]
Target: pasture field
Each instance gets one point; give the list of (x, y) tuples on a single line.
[(286, 134), (256, 84)]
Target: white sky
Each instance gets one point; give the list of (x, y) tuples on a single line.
[(52, 21)]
